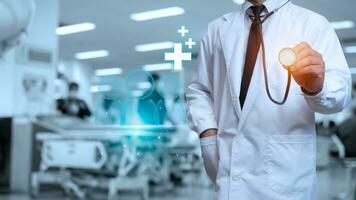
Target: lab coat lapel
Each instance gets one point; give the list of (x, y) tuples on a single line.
[(233, 49), (253, 90)]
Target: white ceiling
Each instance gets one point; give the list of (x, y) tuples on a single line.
[(118, 34)]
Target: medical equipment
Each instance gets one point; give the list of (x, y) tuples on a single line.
[(350, 165), (284, 53), (16, 16), (287, 57), (82, 158), (74, 154)]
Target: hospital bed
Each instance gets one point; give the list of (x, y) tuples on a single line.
[(130, 156)]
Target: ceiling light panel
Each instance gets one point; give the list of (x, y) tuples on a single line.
[(91, 54), (108, 72), (343, 24), (154, 46), (350, 49), (75, 28), (240, 2), (155, 14), (158, 67)]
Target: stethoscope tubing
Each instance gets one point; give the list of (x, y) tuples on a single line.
[(265, 73)]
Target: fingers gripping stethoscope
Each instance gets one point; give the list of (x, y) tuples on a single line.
[(287, 57)]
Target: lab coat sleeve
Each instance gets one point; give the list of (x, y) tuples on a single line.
[(336, 92), (200, 102)]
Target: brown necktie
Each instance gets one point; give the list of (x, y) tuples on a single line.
[(253, 46)]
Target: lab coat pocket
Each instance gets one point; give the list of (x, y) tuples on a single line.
[(210, 156), (290, 163)]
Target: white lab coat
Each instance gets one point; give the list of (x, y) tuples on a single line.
[(264, 151)]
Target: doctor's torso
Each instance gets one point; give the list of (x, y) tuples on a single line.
[(263, 150), (286, 28)]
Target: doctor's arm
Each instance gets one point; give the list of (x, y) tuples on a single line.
[(201, 117), (323, 73)]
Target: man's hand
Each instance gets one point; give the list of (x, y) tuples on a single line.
[(208, 133), (309, 70)]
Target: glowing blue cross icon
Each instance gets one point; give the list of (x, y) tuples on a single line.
[(190, 43), (178, 56), (183, 31)]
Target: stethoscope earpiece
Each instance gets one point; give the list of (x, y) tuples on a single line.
[(287, 57)]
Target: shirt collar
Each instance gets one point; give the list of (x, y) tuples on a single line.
[(270, 4)]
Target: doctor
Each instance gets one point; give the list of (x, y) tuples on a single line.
[(252, 148)]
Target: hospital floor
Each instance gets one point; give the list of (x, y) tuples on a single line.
[(332, 181)]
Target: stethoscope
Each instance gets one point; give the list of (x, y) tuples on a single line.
[(287, 57)]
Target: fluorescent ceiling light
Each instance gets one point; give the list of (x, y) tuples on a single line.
[(343, 24), (108, 72), (137, 93), (154, 14), (154, 46), (75, 28), (158, 67), (100, 88), (353, 70), (91, 54), (350, 49), (240, 2), (144, 85)]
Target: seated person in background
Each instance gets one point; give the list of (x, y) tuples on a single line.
[(151, 105), (72, 105)]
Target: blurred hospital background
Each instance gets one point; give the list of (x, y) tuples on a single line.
[(90, 109)]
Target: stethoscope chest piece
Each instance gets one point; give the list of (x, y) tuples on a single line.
[(287, 57)]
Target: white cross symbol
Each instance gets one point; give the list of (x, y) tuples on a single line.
[(190, 43), (178, 56), (183, 31)]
